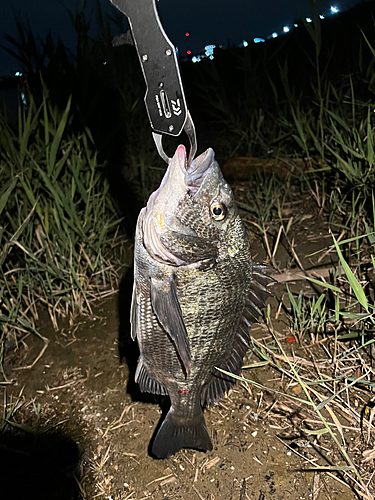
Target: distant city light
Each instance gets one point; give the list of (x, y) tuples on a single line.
[(209, 51)]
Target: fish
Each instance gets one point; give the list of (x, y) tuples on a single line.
[(196, 293)]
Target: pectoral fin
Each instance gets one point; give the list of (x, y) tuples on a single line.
[(134, 314), (168, 311)]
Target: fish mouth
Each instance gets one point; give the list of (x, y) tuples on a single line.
[(161, 223), (197, 171)]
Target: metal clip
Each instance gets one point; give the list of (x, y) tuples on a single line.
[(190, 132)]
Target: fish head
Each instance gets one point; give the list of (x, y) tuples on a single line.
[(189, 214)]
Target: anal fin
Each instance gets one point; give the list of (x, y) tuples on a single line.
[(148, 383)]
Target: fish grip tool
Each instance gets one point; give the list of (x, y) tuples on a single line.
[(164, 99)]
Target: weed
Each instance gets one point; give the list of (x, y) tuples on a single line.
[(308, 316), (58, 224)]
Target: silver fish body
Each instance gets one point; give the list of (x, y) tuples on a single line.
[(196, 293)]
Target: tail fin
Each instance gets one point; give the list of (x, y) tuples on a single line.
[(175, 434)]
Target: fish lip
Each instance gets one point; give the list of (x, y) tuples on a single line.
[(198, 169), (182, 157), (193, 175)]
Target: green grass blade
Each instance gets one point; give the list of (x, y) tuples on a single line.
[(356, 287), (292, 300), (57, 138), (322, 283), (263, 387), (317, 432), (5, 195)]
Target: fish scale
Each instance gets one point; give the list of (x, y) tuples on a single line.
[(195, 299)]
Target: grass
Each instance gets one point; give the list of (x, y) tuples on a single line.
[(307, 316), (60, 237)]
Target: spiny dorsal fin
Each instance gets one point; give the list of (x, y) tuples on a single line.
[(220, 383)]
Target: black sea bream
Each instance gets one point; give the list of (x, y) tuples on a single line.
[(196, 293)]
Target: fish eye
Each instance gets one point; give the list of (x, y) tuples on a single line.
[(218, 211)]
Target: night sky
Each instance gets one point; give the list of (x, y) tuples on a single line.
[(206, 21)]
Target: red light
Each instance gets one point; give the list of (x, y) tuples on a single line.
[(188, 52), (187, 34)]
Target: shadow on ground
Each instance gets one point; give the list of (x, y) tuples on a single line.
[(43, 466)]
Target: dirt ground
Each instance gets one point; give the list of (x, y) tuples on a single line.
[(80, 429)]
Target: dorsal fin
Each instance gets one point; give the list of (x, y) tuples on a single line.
[(220, 383)]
